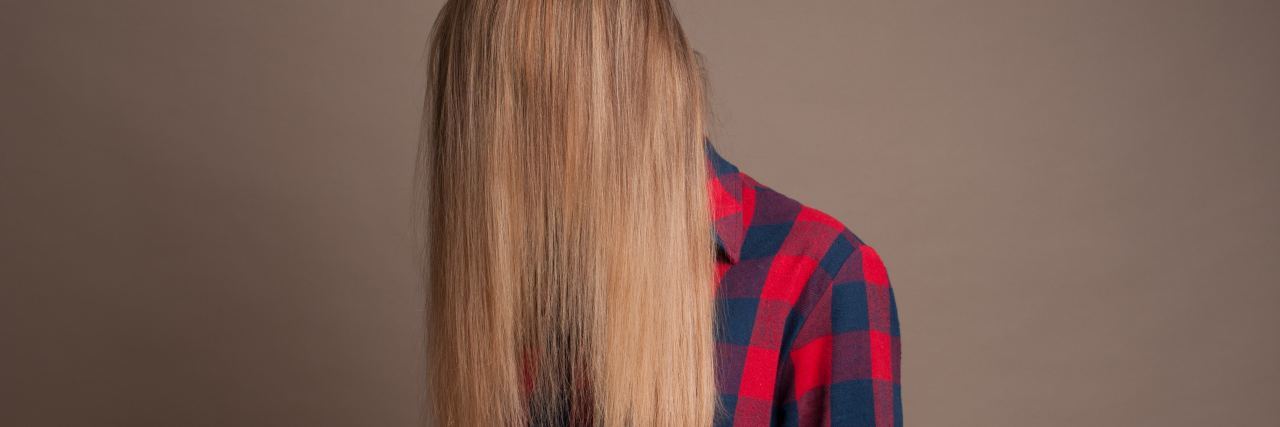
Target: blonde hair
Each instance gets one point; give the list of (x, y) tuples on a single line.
[(569, 252)]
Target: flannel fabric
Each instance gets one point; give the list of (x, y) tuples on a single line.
[(807, 326)]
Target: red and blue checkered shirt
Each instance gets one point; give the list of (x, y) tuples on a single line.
[(807, 327)]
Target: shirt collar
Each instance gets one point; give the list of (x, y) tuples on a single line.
[(725, 185)]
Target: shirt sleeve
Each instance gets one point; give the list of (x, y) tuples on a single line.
[(845, 365)]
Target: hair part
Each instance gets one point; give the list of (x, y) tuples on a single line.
[(568, 244)]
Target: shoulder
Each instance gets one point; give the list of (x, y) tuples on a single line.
[(816, 260), (781, 226)]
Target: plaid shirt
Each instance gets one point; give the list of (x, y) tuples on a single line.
[(807, 324)]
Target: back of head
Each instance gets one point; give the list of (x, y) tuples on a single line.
[(567, 222)]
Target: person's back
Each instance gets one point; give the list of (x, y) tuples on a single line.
[(808, 323), (590, 257)]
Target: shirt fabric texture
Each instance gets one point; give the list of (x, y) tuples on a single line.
[(807, 325)]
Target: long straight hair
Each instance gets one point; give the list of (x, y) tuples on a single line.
[(568, 246)]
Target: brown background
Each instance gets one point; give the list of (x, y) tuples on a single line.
[(204, 204)]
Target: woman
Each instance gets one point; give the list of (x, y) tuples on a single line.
[(591, 259)]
